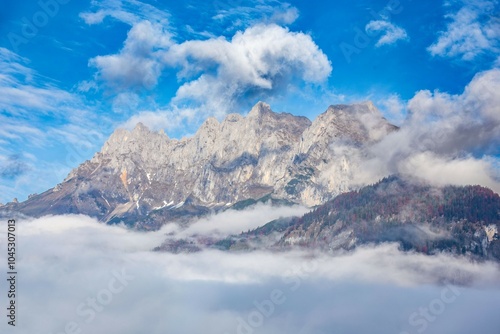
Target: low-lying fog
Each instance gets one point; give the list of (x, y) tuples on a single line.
[(76, 275)]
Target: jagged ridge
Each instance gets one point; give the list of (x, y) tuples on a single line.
[(145, 178)]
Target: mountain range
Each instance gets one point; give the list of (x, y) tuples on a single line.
[(145, 179)]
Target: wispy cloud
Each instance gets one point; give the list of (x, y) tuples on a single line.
[(393, 108), (37, 116), (391, 33), (29, 100), (127, 11), (473, 30), (234, 222), (251, 12), (22, 90), (12, 167)]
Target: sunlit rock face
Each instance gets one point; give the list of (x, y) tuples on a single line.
[(149, 178)]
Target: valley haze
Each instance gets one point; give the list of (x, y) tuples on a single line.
[(250, 167)]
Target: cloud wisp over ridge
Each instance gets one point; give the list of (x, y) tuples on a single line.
[(445, 139)]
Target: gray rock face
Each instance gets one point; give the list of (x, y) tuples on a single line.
[(146, 177)]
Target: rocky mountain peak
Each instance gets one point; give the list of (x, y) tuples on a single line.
[(369, 104), (259, 110), (209, 128), (358, 122), (140, 129), (123, 141), (210, 123), (143, 176)]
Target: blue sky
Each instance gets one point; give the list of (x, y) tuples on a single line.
[(73, 71)]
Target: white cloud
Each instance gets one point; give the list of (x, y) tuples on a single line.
[(469, 121), (497, 62), (473, 30), (66, 260), (286, 14), (255, 54), (234, 222), (22, 90), (18, 129), (138, 64), (221, 75), (391, 32), (12, 64), (87, 86), (36, 115), (263, 59), (393, 108), (443, 171), (217, 75), (445, 139), (450, 139), (30, 97)]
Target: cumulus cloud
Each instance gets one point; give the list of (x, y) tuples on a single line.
[(469, 121), (138, 64), (449, 138), (391, 33), (76, 271), (263, 59), (254, 56), (474, 29), (444, 139), (218, 76), (444, 170)]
